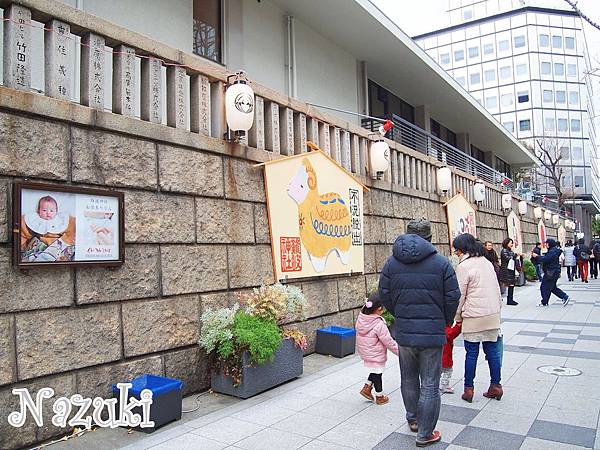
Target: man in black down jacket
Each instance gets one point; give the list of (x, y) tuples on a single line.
[(551, 264), (420, 288)]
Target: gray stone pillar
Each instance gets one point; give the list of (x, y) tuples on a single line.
[(286, 131), (176, 98), (124, 80), (363, 155), (151, 90), (58, 57), (336, 144), (272, 127), (345, 150), (199, 104), (17, 47), (256, 135), (92, 71), (324, 137), (218, 123), (354, 154), (299, 133), (313, 131)]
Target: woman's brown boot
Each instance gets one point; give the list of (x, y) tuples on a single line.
[(495, 391), (468, 394)]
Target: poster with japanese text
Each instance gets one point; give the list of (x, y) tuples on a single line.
[(60, 225), (461, 217), (542, 236), (513, 224), (316, 217)]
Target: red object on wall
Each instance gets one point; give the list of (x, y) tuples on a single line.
[(291, 254)]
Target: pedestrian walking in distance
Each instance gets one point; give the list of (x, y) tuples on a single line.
[(508, 268), (570, 259), (551, 265), (419, 286), (479, 313), (538, 268), (595, 259), (447, 361), (373, 340), (582, 253)]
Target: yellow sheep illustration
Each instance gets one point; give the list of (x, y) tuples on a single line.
[(323, 220)]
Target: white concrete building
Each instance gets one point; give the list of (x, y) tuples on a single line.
[(528, 66), (343, 54)]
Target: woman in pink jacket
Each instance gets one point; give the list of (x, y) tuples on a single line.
[(373, 340), (479, 313)]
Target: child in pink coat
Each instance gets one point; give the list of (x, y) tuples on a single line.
[(373, 340)]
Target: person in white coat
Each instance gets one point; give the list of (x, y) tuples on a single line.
[(570, 259)]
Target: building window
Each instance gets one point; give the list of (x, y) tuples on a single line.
[(577, 153), (489, 75), (573, 98), (564, 152), (570, 43), (546, 68), (547, 95), (525, 125), (561, 97), (467, 14), (475, 78), (506, 99), (519, 41), (207, 29), (461, 81), (559, 69), (488, 49), (566, 180), (445, 58), (459, 55), (578, 181), (491, 102), (556, 41), (563, 125), (501, 166), (477, 154), (505, 72), (549, 124), (575, 125), (521, 69), (510, 126), (544, 40), (572, 70), (383, 103), (503, 45), (523, 97), (473, 52)]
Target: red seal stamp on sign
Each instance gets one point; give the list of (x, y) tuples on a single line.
[(291, 254)]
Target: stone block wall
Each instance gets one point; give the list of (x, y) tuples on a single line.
[(196, 233)]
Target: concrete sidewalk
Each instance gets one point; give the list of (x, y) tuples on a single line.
[(323, 410)]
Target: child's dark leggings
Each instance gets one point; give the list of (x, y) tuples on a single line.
[(375, 378)]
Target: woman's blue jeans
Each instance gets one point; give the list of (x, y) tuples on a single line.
[(492, 354)]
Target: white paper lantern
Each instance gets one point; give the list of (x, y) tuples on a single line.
[(547, 215), (522, 207), (555, 219), (444, 179), (479, 191), (506, 201), (537, 212), (239, 104), (380, 158)]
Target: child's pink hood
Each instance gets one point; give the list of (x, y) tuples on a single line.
[(373, 340)]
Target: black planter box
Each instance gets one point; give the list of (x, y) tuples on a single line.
[(336, 341), (166, 399), (287, 364)]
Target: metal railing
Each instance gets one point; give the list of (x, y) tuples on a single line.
[(411, 136)]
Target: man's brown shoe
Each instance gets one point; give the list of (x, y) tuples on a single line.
[(435, 437), (366, 392), (381, 399), (495, 391)]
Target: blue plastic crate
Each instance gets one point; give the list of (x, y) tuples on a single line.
[(336, 341), (166, 398)]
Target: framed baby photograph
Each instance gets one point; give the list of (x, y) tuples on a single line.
[(56, 225)]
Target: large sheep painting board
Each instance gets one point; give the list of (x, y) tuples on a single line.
[(461, 217), (315, 216), (514, 232)]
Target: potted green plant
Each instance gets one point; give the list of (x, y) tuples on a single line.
[(529, 270), (248, 349)]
